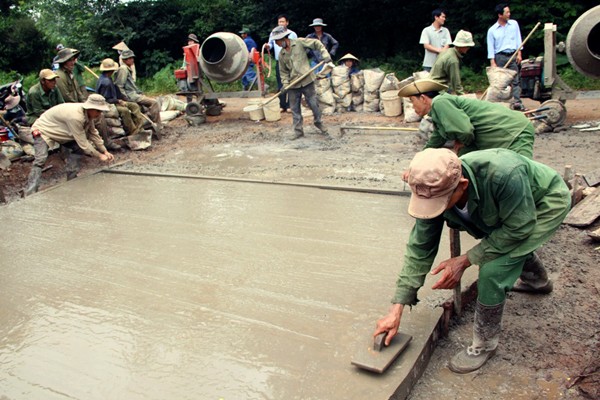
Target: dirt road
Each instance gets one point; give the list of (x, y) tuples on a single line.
[(549, 344)]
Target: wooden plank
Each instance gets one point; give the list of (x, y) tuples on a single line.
[(592, 178), (586, 211)]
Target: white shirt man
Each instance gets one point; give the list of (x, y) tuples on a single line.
[(435, 39)]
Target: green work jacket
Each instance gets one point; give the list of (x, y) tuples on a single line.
[(124, 80), (446, 70), (479, 125), (39, 101), (506, 194), (68, 87), (293, 62)]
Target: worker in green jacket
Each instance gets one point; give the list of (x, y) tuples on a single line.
[(513, 204), (472, 124), (446, 68)]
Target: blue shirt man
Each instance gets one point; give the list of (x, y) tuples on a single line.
[(250, 75), (503, 39)]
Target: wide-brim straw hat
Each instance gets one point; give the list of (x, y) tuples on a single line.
[(349, 57), (463, 39), (108, 64), (66, 54), (11, 102), (121, 46), (318, 22), (96, 102), (420, 86), (279, 32)]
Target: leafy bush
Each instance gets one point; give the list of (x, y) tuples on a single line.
[(163, 82)]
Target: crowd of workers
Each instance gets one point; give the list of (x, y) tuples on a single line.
[(476, 173)]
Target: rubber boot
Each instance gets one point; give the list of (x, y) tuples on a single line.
[(72, 163), (297, 134), (534, 278), (321, 128), (33, 181), (486, 333)]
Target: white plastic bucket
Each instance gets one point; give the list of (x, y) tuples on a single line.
[(392, 103), (272, 111), (255, 111)]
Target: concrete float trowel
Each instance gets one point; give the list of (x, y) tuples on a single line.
[(376, 356)]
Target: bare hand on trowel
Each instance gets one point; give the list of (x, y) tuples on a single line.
[(453, 270), (390, 323)]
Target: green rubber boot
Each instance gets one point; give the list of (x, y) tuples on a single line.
[(486, 333)]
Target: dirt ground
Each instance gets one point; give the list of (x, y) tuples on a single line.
[(549, 345)]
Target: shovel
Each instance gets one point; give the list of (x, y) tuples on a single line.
[(295, 81), (376, 357)]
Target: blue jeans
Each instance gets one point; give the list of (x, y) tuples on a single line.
[(249, 77)]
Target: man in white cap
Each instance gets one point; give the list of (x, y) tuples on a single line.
[(472, 124), (513, 204), (124, 81), (446, 69), (328, 41), (43, 95), (293, 63), (72, 126)]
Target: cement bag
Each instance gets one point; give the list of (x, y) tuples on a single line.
[(371, 102), (390, 82), (358, 98), (117, 131), (421, 74), (113, 122), (12, 149), (500, 77), (357, 82), (496, 95), (169, 115), (373, 79), (112, 112), (409, 112), (358, 108), (326, 109), (325, 92), (340, 81)]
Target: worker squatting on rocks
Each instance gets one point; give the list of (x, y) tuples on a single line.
[(124, 81), (472, 124), (43, 95), (129, 112), (72, 126), (293, 63), (446, 69), (513, 204)]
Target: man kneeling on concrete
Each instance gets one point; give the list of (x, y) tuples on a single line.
[(472, 124), (513, 204), (72, 126), (293, 63), (130, 112)]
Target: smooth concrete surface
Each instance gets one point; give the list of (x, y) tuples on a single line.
[(129, 287)]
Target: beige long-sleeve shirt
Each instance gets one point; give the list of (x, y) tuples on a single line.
[(66, 122)]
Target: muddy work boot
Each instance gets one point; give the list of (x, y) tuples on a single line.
[(534, 278), (321, 128), (33, 181), (297, 135), (486, 333)]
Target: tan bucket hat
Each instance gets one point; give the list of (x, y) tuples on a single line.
[(421, 86), (47, 74), (433, 175), (66, 54), (318, 22), (127, 54), (279, 32), (463, 39), (108, 64), (96, 102)]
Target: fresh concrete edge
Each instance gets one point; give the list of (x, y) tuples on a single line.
[(242, 180)]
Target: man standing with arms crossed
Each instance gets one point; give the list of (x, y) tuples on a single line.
[(435, 39), (503, 39)]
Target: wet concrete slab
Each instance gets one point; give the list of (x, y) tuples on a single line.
[(124, 286)]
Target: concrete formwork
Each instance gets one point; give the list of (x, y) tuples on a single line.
[(122, 286)]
